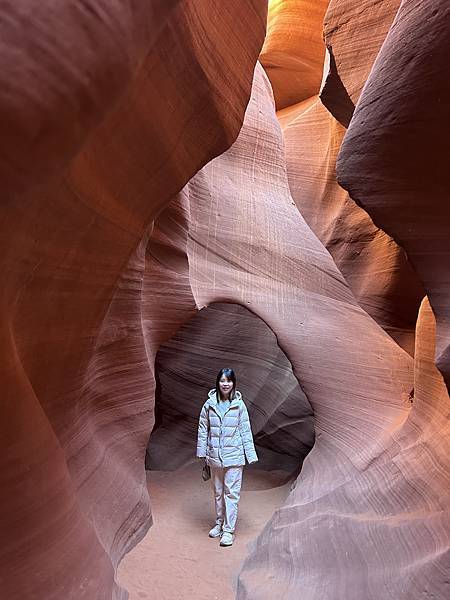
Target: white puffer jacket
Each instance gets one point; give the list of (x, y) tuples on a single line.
[(225, 441)]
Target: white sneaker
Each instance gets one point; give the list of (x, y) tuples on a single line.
[(216, 531), (227, 539)]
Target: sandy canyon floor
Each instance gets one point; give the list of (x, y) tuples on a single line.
[(177, 559)]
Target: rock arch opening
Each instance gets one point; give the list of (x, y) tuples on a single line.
[(186, 366), (170, 560)]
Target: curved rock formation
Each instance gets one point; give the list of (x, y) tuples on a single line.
[(374, 266), (353, 33), (286, 258), (64, 66), (394, 158), (393, 542), (100, 267), (229, 334), (357, 379), (293, 51), (73, 494)]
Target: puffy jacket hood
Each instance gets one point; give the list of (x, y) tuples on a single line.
[(212, 396)]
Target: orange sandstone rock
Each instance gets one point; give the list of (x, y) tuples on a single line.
[(353, 34), (373, 264), (293, 51), (367, 493)]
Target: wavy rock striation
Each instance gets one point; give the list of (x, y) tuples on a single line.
[(104, 259), (374, 266), (93, 149), (398, 171), (355, 481)]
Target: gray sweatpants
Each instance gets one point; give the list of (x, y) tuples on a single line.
[(227, 491)]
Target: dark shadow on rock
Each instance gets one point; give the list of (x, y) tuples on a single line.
[(186, 367), (334, 96)]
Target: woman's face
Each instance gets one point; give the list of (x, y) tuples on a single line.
[(225, 386)]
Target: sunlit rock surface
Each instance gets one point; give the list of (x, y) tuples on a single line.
[(374, 266), (353, 33), (293, 51)]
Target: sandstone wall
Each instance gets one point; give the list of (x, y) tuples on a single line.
[(107, 110), (133, 198), (394, 158)]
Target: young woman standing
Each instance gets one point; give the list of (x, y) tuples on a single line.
[(225, 440)]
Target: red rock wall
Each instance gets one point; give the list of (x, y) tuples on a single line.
[(353, 33), (373, 264), (375, 267), (92, 154), (373, 484), (394, 158), (108, 110)]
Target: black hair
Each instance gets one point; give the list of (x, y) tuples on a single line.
[(229, 374)]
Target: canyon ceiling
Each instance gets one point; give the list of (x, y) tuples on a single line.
[(151, 167)]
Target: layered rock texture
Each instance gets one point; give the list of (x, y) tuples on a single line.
[(367, 456), (140, 202), (386, 172), (229, 334), (374, 265), (107, 109)]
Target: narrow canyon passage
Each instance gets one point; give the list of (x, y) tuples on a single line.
[(177, 559), (263, 188)]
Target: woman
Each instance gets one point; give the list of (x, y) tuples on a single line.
[(225, 440)]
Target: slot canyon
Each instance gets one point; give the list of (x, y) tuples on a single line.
[(193, 184)]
